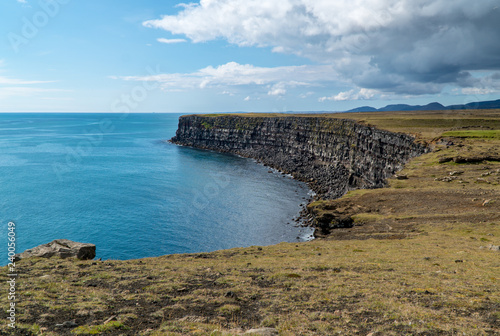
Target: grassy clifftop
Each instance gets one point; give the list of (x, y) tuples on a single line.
[(417, 262), (426, 125)]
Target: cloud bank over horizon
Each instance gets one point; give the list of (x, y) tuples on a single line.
[(247, 55), (273, 80), (390, 47)]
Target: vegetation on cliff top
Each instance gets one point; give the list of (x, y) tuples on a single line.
[(426, 125), (420, 260)]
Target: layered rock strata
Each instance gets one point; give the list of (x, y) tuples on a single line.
[(332, 155)]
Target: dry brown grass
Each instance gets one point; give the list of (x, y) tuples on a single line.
[(412, 265), (426, 125)]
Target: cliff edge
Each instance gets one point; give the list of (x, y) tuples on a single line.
[(421, 258), (332, 155)]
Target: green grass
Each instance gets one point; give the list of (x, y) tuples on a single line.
[(488, 134), (229, 309), (99, 329), (435, 279), (426, 125), (207, 125)]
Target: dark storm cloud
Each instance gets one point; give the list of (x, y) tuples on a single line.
[(399, 46)]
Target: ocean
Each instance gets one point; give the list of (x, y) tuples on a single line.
[(113, 180)]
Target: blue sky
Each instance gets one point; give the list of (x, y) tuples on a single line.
[(245, 55)]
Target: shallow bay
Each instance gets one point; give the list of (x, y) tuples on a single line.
[(112, 180)]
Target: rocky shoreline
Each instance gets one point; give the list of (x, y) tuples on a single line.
[(420, 259), (331, 155)]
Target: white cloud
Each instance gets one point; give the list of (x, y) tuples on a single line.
[(12, 81), (170, 41), (305, 95), (22, 1), (6, 92), (247, 98), (395, 46), (478, 91), (480, 83), (273, 80), (277, 90), (361, 94), (10, 87)]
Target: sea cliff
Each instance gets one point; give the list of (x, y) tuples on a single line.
[(332, 155), (421, 259)]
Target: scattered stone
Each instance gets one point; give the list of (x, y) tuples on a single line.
[(262, 332), (112, 318), (44, 318), (493, 247), (459, 261), (445, 179), (83, 312), (456, 172), (487, 202), (234, 331), (445, 159), (401, 177), (341, 210), (67, 324), (194, 319), (477, 158), (62, 248)]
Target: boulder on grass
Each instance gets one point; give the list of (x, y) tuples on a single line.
[(62, 248)]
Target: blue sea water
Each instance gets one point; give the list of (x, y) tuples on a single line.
[(114, 181)]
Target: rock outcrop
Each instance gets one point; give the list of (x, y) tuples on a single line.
[(62, 248), (332, 155)]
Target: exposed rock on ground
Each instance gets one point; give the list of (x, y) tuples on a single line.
[(62, 248)]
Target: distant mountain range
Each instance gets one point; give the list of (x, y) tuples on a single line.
[(492, 104)]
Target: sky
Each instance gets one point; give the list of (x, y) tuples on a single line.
[(245, 55)]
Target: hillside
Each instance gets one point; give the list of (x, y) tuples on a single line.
[(493, 104)]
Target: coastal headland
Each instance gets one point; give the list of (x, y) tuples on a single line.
[(332, 155), (411, 248)]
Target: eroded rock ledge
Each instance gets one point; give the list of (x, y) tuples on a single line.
[(332, 155), (62, 248)]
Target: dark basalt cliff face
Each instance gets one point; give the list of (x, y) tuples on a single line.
[(332, 155)]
